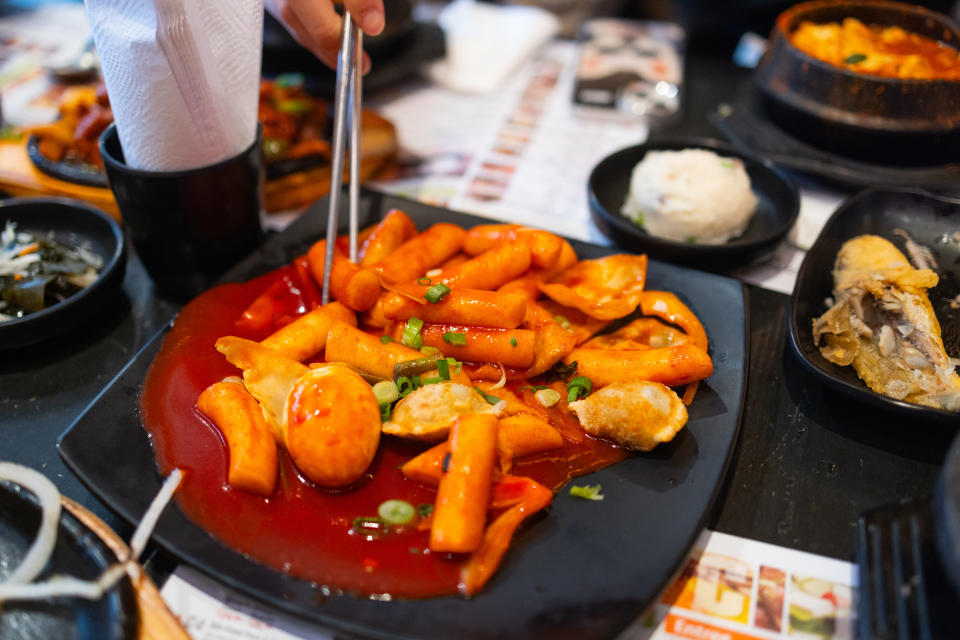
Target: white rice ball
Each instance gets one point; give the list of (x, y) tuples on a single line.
[(692, 195)]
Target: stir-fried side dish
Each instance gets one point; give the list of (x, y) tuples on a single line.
[(295, 124), (392, 441), (882, 323), (38, 271), (891, 52)]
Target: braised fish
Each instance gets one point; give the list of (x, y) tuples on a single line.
[(883, 324)]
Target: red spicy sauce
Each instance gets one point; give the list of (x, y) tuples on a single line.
[(304, 530)]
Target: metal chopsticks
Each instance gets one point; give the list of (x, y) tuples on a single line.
[(347, 113)]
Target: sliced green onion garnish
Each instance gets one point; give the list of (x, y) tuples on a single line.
[(430, 351), (533, 388), (386, 410), (513, 342), (411, 333), (587, 492), (437, 292), (854, 58), (443, 368), (457, 366), (424, 281), (386, 392), (486, 396), (432, 380), (404, 386), (547, 397), (579, 387), (456, 339), (386, 339), (396, 511), (424, 509)]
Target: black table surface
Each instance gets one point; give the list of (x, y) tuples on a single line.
[(809, 461)]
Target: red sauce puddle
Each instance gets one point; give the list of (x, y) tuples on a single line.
[(304, 530)]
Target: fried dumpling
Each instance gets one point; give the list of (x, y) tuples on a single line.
[(883, 324)]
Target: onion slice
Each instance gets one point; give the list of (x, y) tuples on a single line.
[(502, 381), (42, 547), (67, 586)]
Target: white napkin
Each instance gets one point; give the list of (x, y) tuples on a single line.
[(486, 43), (183, 77)]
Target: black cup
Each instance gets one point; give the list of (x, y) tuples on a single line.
[(188, 226)]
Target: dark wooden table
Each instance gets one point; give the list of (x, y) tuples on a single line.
[(808, 463)]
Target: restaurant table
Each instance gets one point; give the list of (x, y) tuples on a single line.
[(808, 462)]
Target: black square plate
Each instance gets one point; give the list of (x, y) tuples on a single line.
[(585, 570), (931, 221)]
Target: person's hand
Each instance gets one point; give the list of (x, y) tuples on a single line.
[(317, 26)]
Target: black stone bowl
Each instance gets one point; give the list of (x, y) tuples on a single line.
[(778, 204), (72, 223), (892, 120)]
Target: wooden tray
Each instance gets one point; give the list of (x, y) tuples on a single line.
[(19, 176)]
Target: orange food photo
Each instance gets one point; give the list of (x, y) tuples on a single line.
[(399, 450)]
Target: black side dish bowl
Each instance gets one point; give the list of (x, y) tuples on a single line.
[(907, 121), (778, 204), (72, 223), (931, 221), (78, 553)]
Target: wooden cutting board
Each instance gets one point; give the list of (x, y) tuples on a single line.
[(378, 143)]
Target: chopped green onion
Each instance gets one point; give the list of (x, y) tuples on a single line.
[(424, 281), (486, 396), (564, 322), (690, 240), (533, 388), (386, 392), (432, 380), (513, 342), (563, 371), (855, 58), (10, 133), (411, 333), (587, 492), (547, 397), (430, 351), (396, 511), (404, 386), (424, 509), (457, 366), (727, 162), (579, 387), (386, 339), (294, 106), (437, 292), (386, 410), (443, 368), (456, 339)]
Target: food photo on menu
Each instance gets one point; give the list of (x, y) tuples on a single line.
[(404, 319)]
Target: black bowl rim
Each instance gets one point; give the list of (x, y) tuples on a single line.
[(64, 170), (694, 250), (115, 262), (860, 391), (941, 18)]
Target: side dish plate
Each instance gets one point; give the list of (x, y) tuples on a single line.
[(78, 553), (777, 207), (72, 223), (931, 221), (584, 570)]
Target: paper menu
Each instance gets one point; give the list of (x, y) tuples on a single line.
[(732, 588)]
